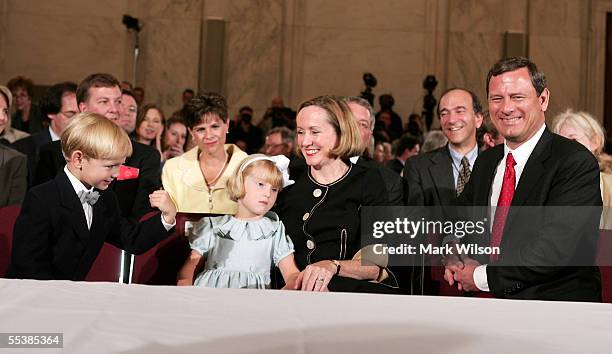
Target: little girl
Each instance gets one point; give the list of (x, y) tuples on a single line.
[(239, 250)]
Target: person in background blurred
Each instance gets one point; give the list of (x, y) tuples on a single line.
[(139, 95), (58, 106), (128, 113), (13, 168), (150, 124), (433, 140), (8, 134), (175, 136), (584, 129), (280, 141), (487, 135), (27, 116), (405, 147)]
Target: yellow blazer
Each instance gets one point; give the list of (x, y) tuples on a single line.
[(183, 180), (605, 182)]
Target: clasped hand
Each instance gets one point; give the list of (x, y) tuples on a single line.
[(460, 270)]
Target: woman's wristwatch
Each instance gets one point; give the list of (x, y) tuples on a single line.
[(337, 263)]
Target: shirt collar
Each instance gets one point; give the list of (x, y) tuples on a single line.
[(54, 137), (77, 185), (457, 157), (521, 154)]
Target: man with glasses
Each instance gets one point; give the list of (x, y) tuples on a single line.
[(279, 141), (58, 106)]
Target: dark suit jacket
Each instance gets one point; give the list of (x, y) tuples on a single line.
[(393, 183), (133, 194), (13, 176), (395, 165), (430, 179), (31, 147), (537, 255), (51, 239)]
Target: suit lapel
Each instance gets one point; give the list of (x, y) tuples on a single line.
[(489, 168), (71, 203), (442, 174), (534, 169)]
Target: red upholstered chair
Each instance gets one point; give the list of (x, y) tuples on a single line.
[(8, 216), (604, 260), (107, 265), (160, 265)]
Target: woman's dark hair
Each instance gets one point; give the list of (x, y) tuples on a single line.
[(207, 103)]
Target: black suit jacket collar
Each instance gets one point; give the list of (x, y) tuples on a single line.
[(441, 172), (70, 201), (41, 138)]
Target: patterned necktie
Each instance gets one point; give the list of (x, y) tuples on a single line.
[(89, 197), (503, 204), (464, 175)]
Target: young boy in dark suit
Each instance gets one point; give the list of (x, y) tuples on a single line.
[(64, 222)]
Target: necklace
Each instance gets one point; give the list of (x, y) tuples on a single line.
[(212, 182)]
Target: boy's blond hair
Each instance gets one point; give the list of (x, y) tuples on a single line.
[(271, 174), (96, 136)]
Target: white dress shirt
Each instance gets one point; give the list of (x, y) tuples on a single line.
[(78, 187), (54, 137), (456, 158), (88, 209), (521, 155)]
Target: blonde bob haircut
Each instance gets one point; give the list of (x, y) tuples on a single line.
[(339, 115), (265, 169), (584, 122), (96, 136)]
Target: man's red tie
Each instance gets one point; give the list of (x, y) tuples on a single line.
[(503, 204)]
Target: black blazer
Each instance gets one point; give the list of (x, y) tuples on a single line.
[(430, 179), (395, 165), (133, 194), (537, 255), (393, 182), (51, 239), (31, 147)]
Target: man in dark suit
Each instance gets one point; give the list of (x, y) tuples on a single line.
[(545, 258), (140, 176), (407, 146), (58, 106), (434, 177), (363, 113), (437, 177)]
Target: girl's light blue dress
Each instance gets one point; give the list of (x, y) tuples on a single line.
[(239, 254)]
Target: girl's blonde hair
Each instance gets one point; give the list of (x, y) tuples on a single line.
[(269, 173), (96, 136)]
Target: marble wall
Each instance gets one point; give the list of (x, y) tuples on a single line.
[(301, 48)]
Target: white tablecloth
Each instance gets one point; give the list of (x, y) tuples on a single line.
[(116, 318)]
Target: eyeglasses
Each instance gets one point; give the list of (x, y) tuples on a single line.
[(69, 114), (274, 146)]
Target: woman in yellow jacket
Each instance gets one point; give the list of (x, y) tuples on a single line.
[(196, 180)]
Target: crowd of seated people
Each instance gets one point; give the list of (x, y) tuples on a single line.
[(323, 162)]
